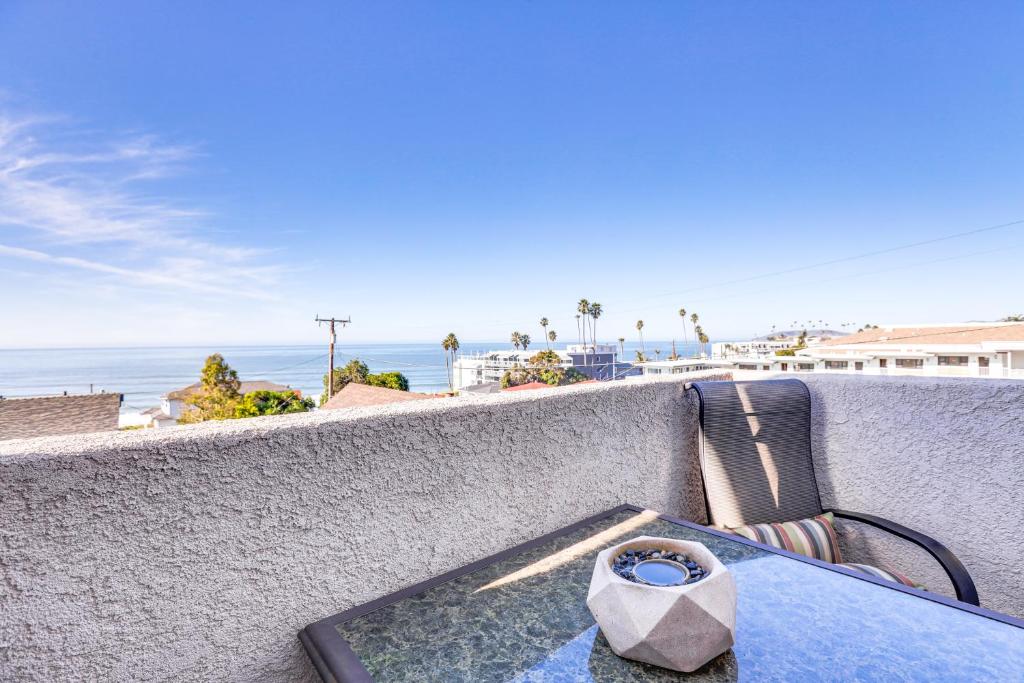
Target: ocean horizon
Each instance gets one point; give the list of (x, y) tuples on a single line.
[(144, 374)]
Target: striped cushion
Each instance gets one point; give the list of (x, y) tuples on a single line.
[(814, 537), (880, 573)]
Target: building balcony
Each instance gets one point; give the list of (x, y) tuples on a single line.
[(197, 553)]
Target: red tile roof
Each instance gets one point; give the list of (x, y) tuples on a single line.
[(355, 395), (528, 386)]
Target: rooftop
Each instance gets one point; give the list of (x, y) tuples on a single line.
[(921, 335), (354, 395), (244, 388)]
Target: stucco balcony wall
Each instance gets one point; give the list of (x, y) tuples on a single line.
[(197, 553)]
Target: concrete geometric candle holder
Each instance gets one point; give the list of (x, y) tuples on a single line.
[(678, 627)]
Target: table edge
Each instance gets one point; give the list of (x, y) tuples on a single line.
[(336, 662)]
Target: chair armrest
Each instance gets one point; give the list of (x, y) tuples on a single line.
[(954, 568)]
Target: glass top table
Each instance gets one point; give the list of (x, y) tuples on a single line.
[(521, 616)]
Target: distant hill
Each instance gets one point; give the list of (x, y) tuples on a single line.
[(793, 334)]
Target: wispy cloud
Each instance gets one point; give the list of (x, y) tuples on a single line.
[(74, 199)]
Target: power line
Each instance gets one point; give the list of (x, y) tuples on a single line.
[(331, 322), (845, 259)]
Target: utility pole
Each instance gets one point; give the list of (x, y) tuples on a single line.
[(330, 349)]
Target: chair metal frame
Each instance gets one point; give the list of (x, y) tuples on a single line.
[(958, 575)]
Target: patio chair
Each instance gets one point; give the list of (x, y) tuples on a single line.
[(755, 459)]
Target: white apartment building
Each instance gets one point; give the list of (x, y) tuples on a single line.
[(753, 347), (681, 365), (596, 361), (964, 350)]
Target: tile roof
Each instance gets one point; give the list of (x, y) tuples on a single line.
[(353, 395), (244, 388), (940, 334), (528, 386)]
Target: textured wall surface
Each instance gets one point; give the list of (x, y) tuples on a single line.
[(197, 553), (944, 456), (49, 415)]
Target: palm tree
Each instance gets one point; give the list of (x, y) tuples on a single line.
[(577, 328), (584, 308), (595, 313), (450, 344), (544, 324), (622, 347), (682, 314), (704, 339), (517, 339), (694, 319), (552, 335), (657, 354), (524, 339), (640, 329)]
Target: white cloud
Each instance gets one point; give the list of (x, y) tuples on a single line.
[(72, 201)]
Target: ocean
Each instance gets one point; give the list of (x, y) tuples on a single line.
[(145, 374)]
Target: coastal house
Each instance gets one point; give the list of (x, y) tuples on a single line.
[(23, 417), (173, 405)]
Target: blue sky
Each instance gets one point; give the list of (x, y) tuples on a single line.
[(193, 172)]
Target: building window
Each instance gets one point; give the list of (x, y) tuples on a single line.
[(805, 366), (952, 360), (858, 366), (983, 361), (883, 362), (910, 363), (744, 366), (836, 365)]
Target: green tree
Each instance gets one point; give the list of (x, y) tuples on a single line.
[(353, 371), (388, 380), (622, 348), (544, 366), (217, 394), (544, 325), (524, 339), (552, 335), (450, 344), (640, 330), (1016, 318), (263, 402), (517, 339)]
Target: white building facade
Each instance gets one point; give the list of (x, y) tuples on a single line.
[(974, 350)]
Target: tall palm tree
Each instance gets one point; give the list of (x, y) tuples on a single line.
[(544, 324), (640, 329), (622, 347), (524, 339), (517, 339), (693, 319), (450, 344), (577, 328), (552, 335), (584, 309), (682, 314), (704, 339), (595, 313)]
